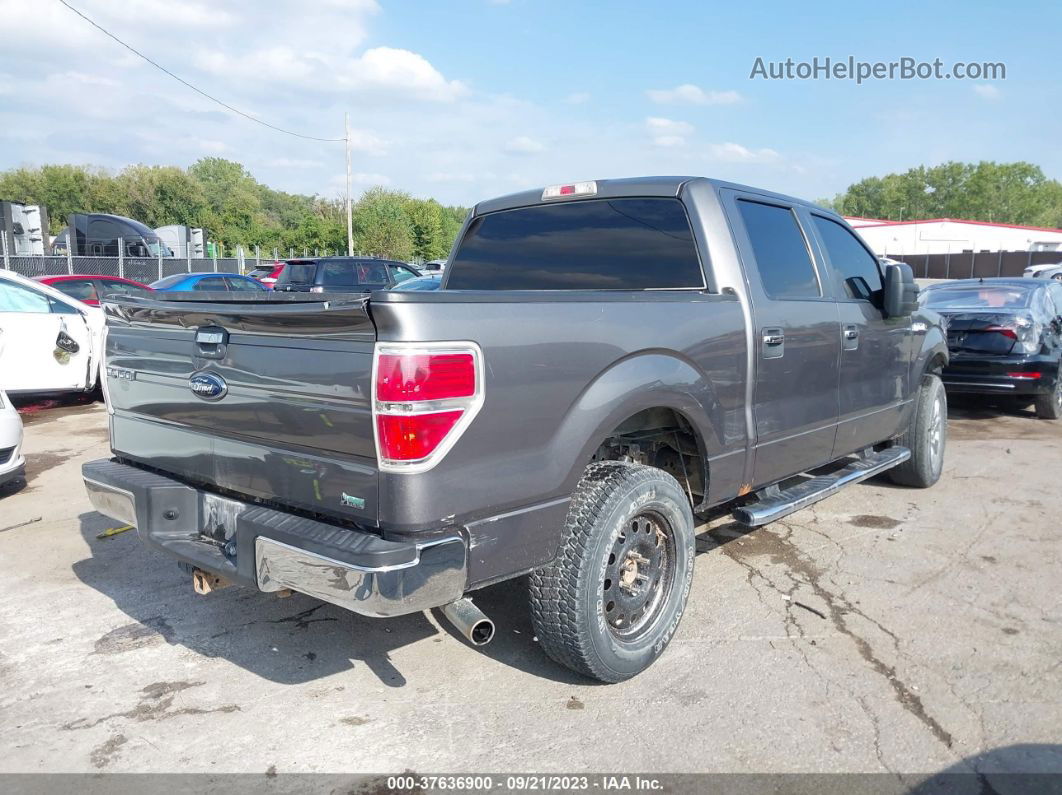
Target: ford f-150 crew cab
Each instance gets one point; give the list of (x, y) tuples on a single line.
[(604, 361)]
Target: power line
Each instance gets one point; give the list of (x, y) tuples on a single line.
[(194, 88)]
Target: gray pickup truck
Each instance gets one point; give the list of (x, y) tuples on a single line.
[(605, 360)]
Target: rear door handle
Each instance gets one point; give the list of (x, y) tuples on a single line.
[(773, 343)]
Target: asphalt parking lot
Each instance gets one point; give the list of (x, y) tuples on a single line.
[(884, 629)]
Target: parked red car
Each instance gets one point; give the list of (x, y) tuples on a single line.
[(267, 273), (88, 288)]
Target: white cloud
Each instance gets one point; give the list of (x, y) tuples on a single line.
[(208, 145), (337, 184), (361, 141), (524, 145), (689, 94), (82, 78), (168, 13), (278, 63), (379, 69), (988, 91), (293, 162), (402, 70), (363, 178), (449, 176), (668, 133), (736, 153), (577, 98)]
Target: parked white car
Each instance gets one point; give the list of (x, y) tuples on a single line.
[(12, 462), (1051, 271), (49, 342)]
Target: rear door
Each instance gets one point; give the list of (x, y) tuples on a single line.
[(875, 351), (797, 338), (47, 343)]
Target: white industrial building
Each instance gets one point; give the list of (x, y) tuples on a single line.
[(952, 236)]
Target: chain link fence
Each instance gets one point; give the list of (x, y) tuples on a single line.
[(147, 269), (140, 269)]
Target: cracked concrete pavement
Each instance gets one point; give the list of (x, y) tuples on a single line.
[(883, 630)]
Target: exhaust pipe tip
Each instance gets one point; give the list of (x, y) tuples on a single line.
[(482, 632), (470, 621)]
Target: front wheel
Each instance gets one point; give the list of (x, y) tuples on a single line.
[(925, 437), (608, 605)]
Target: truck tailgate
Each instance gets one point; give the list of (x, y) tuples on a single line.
[(278, 409)]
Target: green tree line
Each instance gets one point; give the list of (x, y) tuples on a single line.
[(1012, 193), (223, 198)]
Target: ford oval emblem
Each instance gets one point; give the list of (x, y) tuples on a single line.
[(208, 386)]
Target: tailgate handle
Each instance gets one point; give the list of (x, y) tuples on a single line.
[(210, 342)]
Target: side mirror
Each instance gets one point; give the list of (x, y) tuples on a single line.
[(901, 292)]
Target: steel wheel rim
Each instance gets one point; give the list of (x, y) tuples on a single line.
[(639, 575), (936, 432)]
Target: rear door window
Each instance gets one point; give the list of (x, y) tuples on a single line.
[(242, 285), (598, 244), (400, 273), (780, 250), (211, 283), (337, 274), (1054, 293), (81, 289), (111, 286), (855, 268)]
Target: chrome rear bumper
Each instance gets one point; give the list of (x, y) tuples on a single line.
[(273, 550)]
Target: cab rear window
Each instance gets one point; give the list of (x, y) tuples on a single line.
[(600, 244)]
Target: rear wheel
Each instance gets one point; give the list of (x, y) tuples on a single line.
[(1049, 407), (926, 437), (610, 602)]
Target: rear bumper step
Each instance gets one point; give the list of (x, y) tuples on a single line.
[(810, 491), (273, 551)]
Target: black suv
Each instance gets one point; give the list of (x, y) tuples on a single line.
[(342, 275)]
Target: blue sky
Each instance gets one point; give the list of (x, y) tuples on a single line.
[(471, 98)]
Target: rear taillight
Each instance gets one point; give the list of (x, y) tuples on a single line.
[(424, 397), (1025, 376), (1006, 332)]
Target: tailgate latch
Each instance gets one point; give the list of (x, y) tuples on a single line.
[(210, 341)]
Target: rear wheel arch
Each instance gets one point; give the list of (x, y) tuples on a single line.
[(662, 437), (632, 387)]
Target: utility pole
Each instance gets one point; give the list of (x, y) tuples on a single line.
[(350, 218)]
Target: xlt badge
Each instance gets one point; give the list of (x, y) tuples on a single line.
[(352, 502)]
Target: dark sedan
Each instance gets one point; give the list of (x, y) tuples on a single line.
[(342, 275), (1005, 338)]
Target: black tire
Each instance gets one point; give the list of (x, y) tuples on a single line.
[(622, 515), (1049, 407), (926, 437)]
